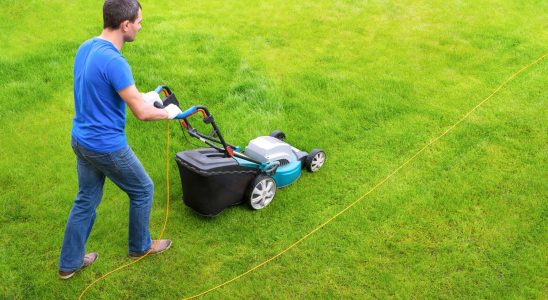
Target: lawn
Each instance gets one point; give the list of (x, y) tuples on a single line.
[(370, 82)]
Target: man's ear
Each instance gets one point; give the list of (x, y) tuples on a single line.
[(125, 25)]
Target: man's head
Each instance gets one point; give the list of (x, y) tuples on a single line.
[(123, 15)]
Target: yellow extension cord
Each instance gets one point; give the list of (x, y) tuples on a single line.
[(324, 223)]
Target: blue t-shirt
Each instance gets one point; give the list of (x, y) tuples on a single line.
[(100, 72)]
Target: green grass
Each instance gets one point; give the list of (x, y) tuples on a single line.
[(370, 82)]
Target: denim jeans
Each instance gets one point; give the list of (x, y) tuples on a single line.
[(124, 169)]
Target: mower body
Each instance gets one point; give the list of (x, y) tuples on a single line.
[(221, 176), (212, 181), (267, 149)]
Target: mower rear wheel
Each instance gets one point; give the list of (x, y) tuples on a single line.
[(278, 134), (261, 192), (315, 160)]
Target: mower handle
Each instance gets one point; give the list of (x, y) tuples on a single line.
[(207, 118), (187, 113), (159, 89), (168, 99), (171, 99)]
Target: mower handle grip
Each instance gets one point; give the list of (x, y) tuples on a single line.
[(185, 114), (159, 89), (168, 99)]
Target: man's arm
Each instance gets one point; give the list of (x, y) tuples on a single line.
[(140, 109)]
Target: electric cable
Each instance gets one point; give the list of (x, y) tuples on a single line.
[(372, 189)]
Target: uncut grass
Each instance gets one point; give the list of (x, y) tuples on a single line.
[(369, 82)]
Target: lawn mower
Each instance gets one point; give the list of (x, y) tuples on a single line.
[(223, 175)]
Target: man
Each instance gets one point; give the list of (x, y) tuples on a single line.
[(103, 86)]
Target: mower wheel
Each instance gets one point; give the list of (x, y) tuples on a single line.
[(278, 134), (260, 192), (315, 160)]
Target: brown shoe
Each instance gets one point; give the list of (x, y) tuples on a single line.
[(158, 246), (89, 259)]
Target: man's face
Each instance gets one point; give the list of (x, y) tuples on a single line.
[(132, 28)]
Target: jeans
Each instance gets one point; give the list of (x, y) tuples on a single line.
[(124, 169)]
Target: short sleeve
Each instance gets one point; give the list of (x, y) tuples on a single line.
[(119, 74)]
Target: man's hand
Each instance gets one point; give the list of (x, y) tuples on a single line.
[(173, 111), (151, 97), (140, 109)]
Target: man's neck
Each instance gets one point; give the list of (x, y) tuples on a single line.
[(114, 37)]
